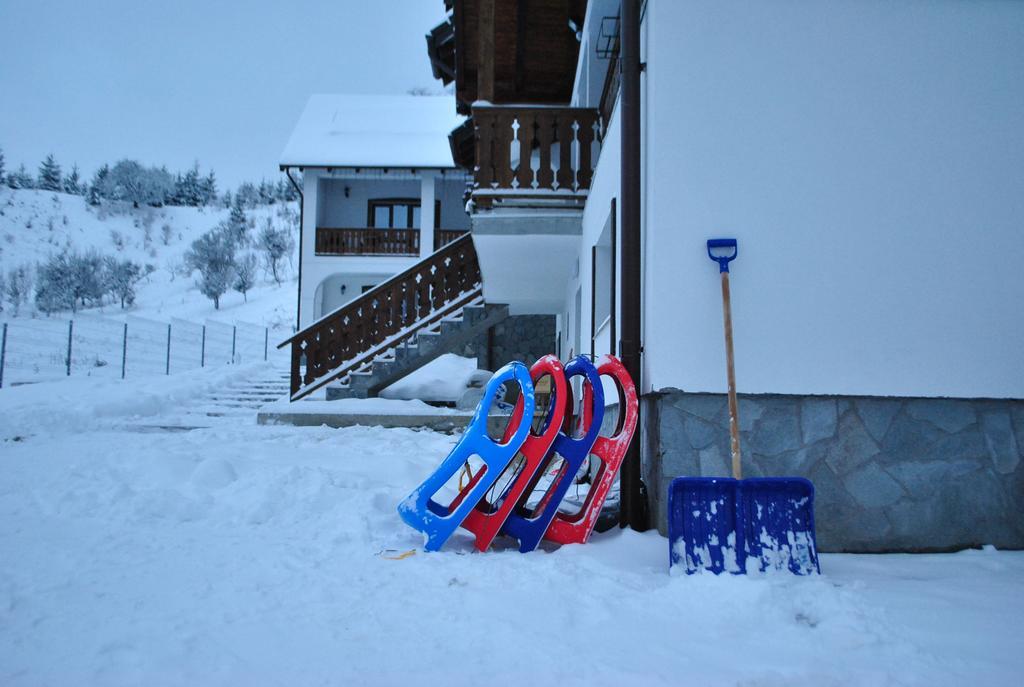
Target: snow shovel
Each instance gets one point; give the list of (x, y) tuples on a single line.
[(736, 525)]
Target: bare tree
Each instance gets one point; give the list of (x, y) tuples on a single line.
[(245, 275), (275, 244)]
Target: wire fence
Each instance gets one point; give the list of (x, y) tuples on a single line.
[(39, 350)]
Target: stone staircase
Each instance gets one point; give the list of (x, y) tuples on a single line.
[(237, 401), (241, 398), (445, 336)]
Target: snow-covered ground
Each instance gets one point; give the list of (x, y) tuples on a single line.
[(263, 555)]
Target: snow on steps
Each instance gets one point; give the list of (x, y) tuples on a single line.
[(445, 336)]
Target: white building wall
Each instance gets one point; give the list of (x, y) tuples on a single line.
[(604, 187), (869, 157)]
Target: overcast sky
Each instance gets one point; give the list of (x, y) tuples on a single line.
[(174, 81)]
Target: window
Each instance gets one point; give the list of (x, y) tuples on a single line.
[(399, 213)]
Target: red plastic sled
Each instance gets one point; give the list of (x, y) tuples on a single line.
[(485, 520), (576, 529)]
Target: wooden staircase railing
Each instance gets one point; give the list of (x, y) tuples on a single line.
[(384, 316)]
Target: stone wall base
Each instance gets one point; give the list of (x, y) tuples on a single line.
[(890, 474), (520, 337)]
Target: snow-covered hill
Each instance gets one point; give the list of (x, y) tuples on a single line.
[(35, 225)]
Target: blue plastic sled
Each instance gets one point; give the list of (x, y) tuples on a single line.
[(738, 526), (530, 529), (420, 511)]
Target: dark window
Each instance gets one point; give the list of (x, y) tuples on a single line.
[(399, 213)]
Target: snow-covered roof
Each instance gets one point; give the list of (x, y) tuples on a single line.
[(373, 131)]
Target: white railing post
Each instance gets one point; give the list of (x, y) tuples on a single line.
[(234, 336), (167, 369), (202, 350), (266, 342)]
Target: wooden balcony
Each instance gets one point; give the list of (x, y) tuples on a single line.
[(370, 241), (534, 153)]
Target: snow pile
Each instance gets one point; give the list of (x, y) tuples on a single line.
[(247, 554), (443, 379)]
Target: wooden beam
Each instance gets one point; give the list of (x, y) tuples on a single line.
[(485, 69)]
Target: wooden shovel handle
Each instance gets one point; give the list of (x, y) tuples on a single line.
[(734, 416)]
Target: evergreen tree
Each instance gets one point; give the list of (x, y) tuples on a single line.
[(208, 189), (1, 179), (213, 255), (246, 195), (286, 192), (189, 188), (266, 193), (100, 185), (245, 275), (50, 178), (20, 179), (237, 224), (72, 182)]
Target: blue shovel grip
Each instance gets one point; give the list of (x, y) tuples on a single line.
[(723, 260)]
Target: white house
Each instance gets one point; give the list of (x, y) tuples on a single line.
[(384, 256), (869, 158), (379, 192)]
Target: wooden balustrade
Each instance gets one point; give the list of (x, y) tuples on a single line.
[(367, 241), (442, 237), (372, 241), (389, 313), (533, 151)]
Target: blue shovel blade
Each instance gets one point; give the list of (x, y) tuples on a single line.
[(778, 524), (702, 528)]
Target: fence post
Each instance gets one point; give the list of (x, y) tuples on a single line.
[(3, 354), (124, 349), (266, 341), (202, 350), (71, 324), (234, 333), (167, 370)]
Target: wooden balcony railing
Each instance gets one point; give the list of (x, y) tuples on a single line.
[(371, 241), (367, 241), (442, 237), (533, 151), (384, 316)]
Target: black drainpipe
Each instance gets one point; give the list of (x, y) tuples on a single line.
[(633, 510), (302, 208)]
